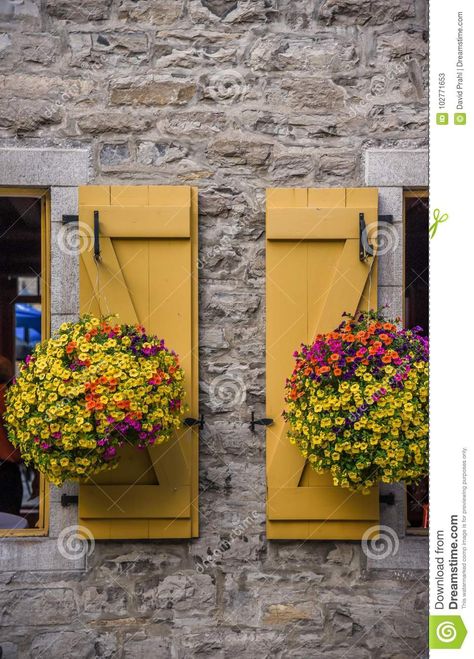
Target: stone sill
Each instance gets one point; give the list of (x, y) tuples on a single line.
[(412, 554)]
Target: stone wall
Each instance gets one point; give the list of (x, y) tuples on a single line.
[(232, 96)]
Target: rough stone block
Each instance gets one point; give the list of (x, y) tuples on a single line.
[(112, 154), (83, 12), (38, 606), (153, 92), (159, 13), (156, 646), (372, 12)]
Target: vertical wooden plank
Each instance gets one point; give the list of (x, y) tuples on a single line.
[(129, 195), (169, 195), (326, 197), (287, 197), (287, 327), (93, 195)]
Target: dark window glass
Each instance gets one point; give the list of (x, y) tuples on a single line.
[(417, 313)]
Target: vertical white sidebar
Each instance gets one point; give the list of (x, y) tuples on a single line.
[(451, 320)]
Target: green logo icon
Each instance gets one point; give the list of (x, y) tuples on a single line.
[(438, 218), (442, 118), (460, 118), (446, 632)]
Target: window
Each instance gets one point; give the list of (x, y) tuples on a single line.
[(416, 290), (24, 321)]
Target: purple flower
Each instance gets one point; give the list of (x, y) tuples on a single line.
[(109, 453)]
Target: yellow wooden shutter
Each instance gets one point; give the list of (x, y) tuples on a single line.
[(147, 273), (313, 275)]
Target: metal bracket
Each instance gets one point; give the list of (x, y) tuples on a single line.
[(387, 499), (68, 499), (365, 248), (386, 218), (96, 236), (189, 421), (67, 219), (259, 422)]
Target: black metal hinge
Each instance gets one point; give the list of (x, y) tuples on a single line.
[(68, 499), (259, 422), (387, 499), (67, 219), (365, 248), (96, 236), (189, 421)]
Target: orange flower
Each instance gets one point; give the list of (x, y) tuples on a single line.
[(386, 359), (324, 369), (334, 357), (70, 347), (337, 371)]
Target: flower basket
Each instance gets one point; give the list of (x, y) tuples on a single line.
[(89, 390), (357, 403)]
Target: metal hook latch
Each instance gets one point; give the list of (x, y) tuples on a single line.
[(96, 236), (189, 421), (68, 499), (259, 422)]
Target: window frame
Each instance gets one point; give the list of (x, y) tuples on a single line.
[(415, 193), (43, 194)]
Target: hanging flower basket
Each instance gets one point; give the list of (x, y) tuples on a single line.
[(357, 403), (92, 388)]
